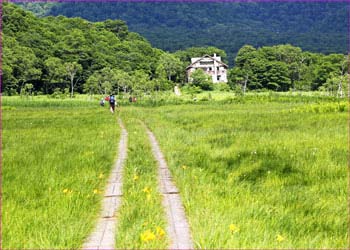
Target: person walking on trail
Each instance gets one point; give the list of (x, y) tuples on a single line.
[(112, 102), (102, 102)]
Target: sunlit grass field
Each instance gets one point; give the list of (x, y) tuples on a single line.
[(56, 159), (258, 174), (263, 171)]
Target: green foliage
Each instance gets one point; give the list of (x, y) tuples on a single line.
[(191, 90), (171, 65), (117, 27), (224, 87), (201, 80), (47, 52), (38, 8), (60, 52), (226, 25), (284, 67), (321, 108)]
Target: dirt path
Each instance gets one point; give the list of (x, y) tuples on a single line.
[(103, 237), (178, 227)]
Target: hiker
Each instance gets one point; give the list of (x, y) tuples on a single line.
[(112, 102), (102, 102)]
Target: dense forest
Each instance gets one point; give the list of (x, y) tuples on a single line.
[(314, 26), (63, 56)]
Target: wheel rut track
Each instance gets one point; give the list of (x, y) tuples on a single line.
[(178, 227), (103, 236)]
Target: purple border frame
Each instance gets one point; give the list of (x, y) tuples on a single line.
[(193, 1), (183, 1)]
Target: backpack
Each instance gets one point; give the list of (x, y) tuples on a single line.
[(112, 99)]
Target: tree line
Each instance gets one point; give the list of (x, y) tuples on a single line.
[(285, 67), (53, 55)]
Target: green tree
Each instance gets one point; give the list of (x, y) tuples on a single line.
[(337, 85), (292, 56), (199, 79), (121, 80), (243, 73), (171, 65), (141, 83), (72, 69), (55, 71), (117, 27), (276, 77), (97, 83)]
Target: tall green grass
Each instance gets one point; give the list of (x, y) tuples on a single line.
[(56, 160), (258, 174), (253, 172), (141, 219)]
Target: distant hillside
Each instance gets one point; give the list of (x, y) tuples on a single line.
[(317, 27), (40, 51)]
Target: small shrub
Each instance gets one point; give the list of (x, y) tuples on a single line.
[(56, 93), (238, 90), (223, 87)]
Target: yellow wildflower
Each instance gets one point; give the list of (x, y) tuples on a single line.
[(136, 177), (101, 176), (148, 235), (184, 167), (279, 238), (146, 190), (160, 232), (148, 197), (234, 228), (96, 191), (66, 190)]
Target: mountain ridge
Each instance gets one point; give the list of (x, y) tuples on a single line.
[(171, 26)]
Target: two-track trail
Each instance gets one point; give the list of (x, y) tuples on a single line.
[(104, 234), (103, 237), (178, 228)]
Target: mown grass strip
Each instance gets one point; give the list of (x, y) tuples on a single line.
[(55, 164), (141, 219)]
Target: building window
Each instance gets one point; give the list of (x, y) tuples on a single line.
[(217, 68), (218, 77), (209, 68), (206, 62)]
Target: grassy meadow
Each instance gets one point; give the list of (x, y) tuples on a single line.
[(258, 174), (261, 171), (56, 160)]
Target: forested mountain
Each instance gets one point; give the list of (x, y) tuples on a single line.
[(318, 27), (67, 55)]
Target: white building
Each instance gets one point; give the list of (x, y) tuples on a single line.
[(211, 65)]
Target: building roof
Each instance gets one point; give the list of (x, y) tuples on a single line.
[(205, 56)]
